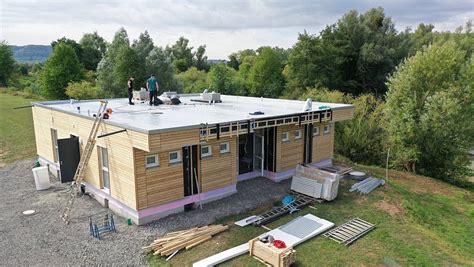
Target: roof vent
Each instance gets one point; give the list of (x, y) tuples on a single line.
[(211, 97), (308, 106)]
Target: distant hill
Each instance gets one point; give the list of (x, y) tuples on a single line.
[(25, 53)]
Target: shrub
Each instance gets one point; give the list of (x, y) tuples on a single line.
[(82, 90)]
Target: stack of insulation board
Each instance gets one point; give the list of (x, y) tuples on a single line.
[(175, 241), (315, 182)]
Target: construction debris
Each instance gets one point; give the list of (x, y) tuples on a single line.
[(174, 241), (107, 226), (368, 185), (315, 182), (275, 213), (270, 253), (350, 231)]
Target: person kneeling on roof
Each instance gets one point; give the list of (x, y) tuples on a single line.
[(153, 87)]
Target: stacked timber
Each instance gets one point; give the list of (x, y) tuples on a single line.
[(175, 241)]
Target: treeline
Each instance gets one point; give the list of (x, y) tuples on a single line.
[(412, 89)]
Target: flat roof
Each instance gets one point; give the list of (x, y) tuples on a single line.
[(189, 114)]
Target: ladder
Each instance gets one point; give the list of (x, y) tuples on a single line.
[(86, 155), (277, 212)]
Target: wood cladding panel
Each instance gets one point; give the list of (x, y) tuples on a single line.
[(173, 140), (323, 144), (289, 153), (119, 147), (342, 114), (219, 170), (157, 185)]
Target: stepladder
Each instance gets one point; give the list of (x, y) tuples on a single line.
[(84, 160)]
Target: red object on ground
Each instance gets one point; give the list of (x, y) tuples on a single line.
[(279, 244)]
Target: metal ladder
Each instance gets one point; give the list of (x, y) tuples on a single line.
[(277, 212), (86, 155)]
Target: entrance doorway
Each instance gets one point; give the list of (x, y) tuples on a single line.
[(190, 172), (257, 151), (69, 157), (308, 143)]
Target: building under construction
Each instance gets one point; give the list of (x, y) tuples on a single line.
[(151, 161)]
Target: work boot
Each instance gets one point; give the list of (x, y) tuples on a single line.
[(131, 103)]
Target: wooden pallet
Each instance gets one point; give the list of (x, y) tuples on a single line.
[(350, 231)]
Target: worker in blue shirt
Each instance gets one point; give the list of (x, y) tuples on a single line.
[(153, 87)]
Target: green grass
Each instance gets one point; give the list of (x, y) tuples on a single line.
[(420, 221), (17, 139)]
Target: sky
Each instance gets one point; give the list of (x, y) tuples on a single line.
[(223, 26)]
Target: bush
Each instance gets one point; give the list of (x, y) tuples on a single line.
[(82, 90)]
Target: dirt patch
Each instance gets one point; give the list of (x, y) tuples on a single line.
[(390, 208)]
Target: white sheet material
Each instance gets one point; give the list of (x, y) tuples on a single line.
[(289, 240), (246, 221)]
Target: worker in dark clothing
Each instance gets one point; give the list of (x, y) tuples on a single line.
[(130, 90), (153, 87)]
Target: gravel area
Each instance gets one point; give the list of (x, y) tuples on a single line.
[(43, 239)]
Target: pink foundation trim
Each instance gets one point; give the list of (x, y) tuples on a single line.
[(187, 200), (248, 175)]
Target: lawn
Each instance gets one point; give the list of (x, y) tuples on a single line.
[(420, 221), (17, 138)]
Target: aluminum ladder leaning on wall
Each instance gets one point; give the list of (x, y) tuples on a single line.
[(79, 175)]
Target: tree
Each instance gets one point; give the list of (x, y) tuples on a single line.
[(353, 55), (201, 59), (82, 90), (61, 68), (159, 63), (236, 59), (223, 79), (430, 106), (265, 76), (7, 63), (143, 46), (93, 49), (77, 47), (181, 54), (119, 63), (193, 80)]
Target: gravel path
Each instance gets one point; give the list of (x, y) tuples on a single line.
[(43, 239)]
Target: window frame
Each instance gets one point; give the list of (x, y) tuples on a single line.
[(178, 157), (316, 133), (104, 168), (285, 136), (54, 141), (152, 165), (227, 150), (208, 154), (299, 136), (328, 129)]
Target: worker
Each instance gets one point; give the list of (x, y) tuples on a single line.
[(153, 87), (130, 90)]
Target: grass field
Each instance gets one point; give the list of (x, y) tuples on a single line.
[(17, 138), (420, 221)]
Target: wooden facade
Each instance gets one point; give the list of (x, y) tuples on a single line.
[(139, 187)]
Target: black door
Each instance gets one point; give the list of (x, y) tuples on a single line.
[(69, 156), (190, 170), (308, 143), (270, 148)]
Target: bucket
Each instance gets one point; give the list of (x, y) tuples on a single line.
[(41, 175)]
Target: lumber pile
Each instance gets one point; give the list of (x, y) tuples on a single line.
[(174, 241)]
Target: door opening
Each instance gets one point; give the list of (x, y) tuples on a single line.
[(190, 172), (245, 153), (308, 143), (69, 157)]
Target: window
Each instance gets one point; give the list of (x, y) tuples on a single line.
[(54, 140), (297, 134), (104, 169), (175, 156), (327, 128), (285, 137), (316, 130), (224, 148), (152, 161), (206, 151)]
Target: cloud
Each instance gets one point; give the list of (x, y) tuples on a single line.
[(224, 26)]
